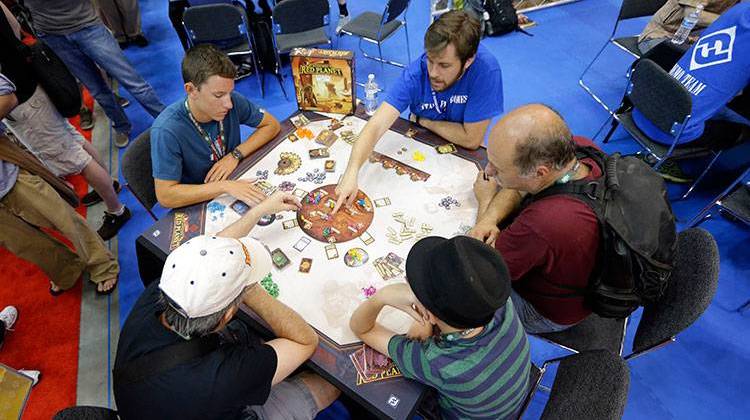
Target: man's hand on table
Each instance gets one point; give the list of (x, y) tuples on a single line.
[(222, 169), (346, 191), (244, 190), (278, 202), (485, 231)]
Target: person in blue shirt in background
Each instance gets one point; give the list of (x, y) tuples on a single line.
[(714, 70), (195, 142), (454, 90)]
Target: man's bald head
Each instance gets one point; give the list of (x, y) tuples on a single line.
[(533, 135)]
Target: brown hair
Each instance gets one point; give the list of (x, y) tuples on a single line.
[(455, 27), (204, 61), (551, 145)]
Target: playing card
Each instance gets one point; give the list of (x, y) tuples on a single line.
[(289, 224), (446, 148), (265, 187), (358, 360), (319, 153), (375, 362), (331, 251), (410, 133), (299, 193), (293, 137), (366, 238), (240, 207), (305, 265), (335, 124), (326, 138), (300, 121), (330, 165), (394, 259), (382, 202), (301, 244), (279, 259)]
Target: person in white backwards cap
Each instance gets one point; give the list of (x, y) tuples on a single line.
[(182, 355)]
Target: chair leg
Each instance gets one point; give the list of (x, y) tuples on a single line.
[(408, 49), (586, 87), (257, 74), (612, 129), (705, 171)]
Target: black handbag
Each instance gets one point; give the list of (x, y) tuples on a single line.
[(54, 77)]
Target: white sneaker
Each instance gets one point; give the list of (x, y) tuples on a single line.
[(343, 20), (33, 374), (121, 139), (9, 315)]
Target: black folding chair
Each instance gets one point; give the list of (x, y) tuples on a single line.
[(300, 24), (691, 289), (136, 169), (593, 333), (628, 10), (665, 102), (376, 28), (734, 201), (225, 26)]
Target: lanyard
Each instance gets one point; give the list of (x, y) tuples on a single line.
[(435, 101), (218, 149)]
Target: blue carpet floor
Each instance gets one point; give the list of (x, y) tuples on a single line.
[(701, 375)]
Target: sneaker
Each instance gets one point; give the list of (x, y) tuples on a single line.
[(93, 197), (8, 316), (87, 119), (343, 20), (112, 224), (672, 172), (123, 44), (33, 374), (121, 139), (139, 40), (122, 101)]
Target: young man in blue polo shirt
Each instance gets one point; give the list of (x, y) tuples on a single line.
[(714, 70), (454, 89), (195, 142)]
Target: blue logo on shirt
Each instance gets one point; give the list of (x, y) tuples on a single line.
[(714, 48)]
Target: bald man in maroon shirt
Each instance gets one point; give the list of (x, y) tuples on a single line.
[(550, 245)]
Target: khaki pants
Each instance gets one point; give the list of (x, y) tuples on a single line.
[(122, 17), (31, 205)]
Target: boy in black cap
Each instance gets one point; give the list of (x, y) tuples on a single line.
[(467, 342)]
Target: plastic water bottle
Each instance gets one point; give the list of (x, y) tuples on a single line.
[(687, 25), (371, 95)]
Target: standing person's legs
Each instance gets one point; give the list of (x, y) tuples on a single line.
[(99, 45), (86, 71), (50, 137), (57, 261), (111, 17), (39, 205)]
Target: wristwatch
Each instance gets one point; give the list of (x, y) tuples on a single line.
[(237, 154)]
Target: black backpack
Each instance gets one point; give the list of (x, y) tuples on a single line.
[(637, 232), (502, 17)]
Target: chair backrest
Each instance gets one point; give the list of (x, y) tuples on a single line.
[(393, 9), (293, 16), (658, 96), (83, 412), (691, 288), (221, 24), (136, 169), (593, 333), (590, 385), (638, 8), (666, 54)]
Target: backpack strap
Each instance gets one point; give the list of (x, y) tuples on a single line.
[(151, 364)]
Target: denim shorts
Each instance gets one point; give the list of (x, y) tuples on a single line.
[(288, 400), (533, 322)]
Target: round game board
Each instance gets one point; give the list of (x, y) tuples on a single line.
[(349, 223)]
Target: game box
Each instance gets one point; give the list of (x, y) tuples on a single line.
[(324, 80)]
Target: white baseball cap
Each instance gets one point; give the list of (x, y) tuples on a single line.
[(205, 274)]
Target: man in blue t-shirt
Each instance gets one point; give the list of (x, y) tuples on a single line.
[(195, 142), (714, 71), (454, 89)]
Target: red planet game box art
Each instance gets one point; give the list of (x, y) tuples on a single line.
[(324, 80)]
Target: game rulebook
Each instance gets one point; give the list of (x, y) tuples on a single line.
[(324, 80)]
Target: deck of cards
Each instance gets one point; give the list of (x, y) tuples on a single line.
[(373, 366), (279, 259), (326, 138), (389, 266), (446, 148), (319, 153)]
